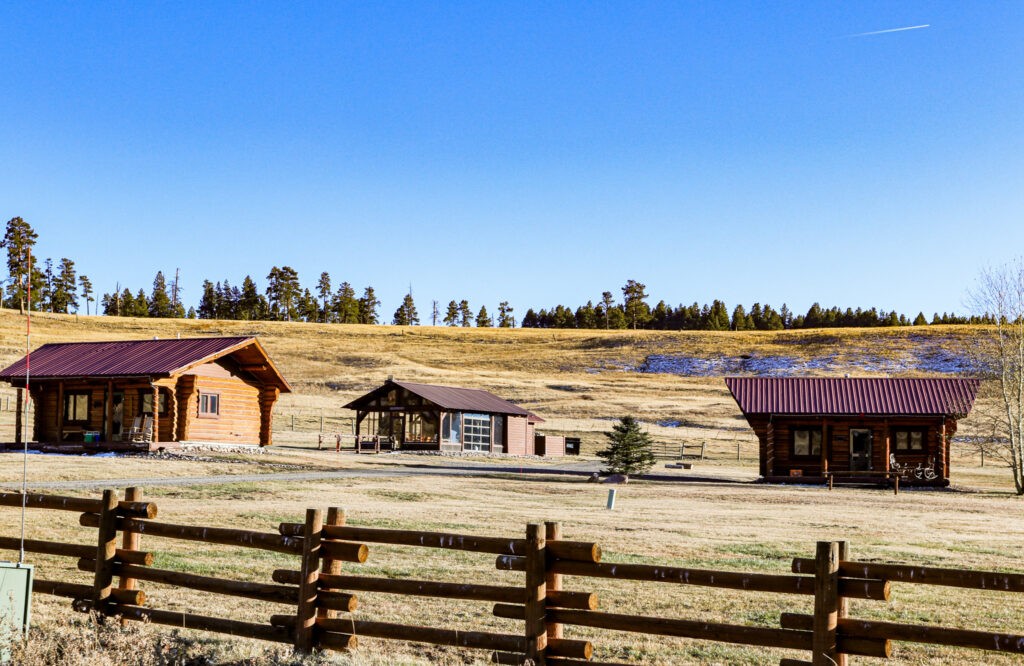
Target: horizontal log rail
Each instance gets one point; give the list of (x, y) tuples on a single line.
[(659, 626), (878, 590), (440, 590), (915, 633), (77, 591), (797, 639), (514, 659), (73, 550), (902, 573), (279, 594), (346, 551), (218, 535), (181, 620), (400, 632), (569, 550), (77, 504), (416, 588)]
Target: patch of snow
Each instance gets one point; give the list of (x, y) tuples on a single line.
[(927, 357)]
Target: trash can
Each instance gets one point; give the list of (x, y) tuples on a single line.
[(572, 446)]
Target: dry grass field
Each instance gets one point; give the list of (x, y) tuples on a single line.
[(577, 380)]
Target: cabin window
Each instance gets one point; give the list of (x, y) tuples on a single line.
[(909, 440), (477, 436), (146, 402), (209, 405), (422, 427), (76, 407), (451, 426), (806, 442)]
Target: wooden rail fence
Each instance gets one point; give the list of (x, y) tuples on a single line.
[(321, 593)]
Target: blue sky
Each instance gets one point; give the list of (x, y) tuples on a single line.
[(538, 153)]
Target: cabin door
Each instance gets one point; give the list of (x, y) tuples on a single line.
[(117, 416), (860, 450)]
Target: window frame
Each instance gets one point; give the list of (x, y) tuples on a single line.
[(200, 413), (161, 401), (68, 401), (910, 432), (812, 434), (476, 427)]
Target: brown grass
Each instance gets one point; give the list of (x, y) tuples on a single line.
[(736, 527)]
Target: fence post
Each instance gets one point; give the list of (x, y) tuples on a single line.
[(335, 516), (826, 604), (536, 595), (131, 540), (843, 603), (106, 551), (305, 617), (553, 581)]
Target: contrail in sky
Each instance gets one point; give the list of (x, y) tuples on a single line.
[(882, 32)]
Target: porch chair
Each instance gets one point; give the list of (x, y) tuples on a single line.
[(135, 430), (147, 429), (143, 433)]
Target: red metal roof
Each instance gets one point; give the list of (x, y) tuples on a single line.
[(877, 396), (451, 398), (130, 358)]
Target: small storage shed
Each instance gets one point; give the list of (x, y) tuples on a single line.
[(198, 389), (810, 426), (426, 417)]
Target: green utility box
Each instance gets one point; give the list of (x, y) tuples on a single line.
[(15, 604)]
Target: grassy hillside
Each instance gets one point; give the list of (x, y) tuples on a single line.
[(576, 380)]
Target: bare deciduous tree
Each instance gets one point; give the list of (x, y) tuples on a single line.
[(1000, 292)]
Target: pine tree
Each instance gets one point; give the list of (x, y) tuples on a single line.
[(629, 449), (634, 295), (159, 301), (46, 293), (919, 320), (586, 316), (19, 238), (65, 286), (739, 318), (368, 305), (465, 314), (451, 315), (207, 302), (406, 314), (483, 320), (324, 291), (505, 318), (346, 305), (86, 285), (140, 304), (607, 300)]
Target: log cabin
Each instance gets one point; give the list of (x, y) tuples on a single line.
[(425, 417), (809, 428), (148, 394)]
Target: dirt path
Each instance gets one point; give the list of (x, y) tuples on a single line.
[(578, 469)]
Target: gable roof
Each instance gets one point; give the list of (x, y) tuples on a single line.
[(452, 398), (143, 358), (874, 396)]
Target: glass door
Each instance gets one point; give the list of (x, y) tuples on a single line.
[(860, 450)]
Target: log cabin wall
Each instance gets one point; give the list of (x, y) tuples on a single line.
[(49, 398), (836, 442), (239, 417)]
